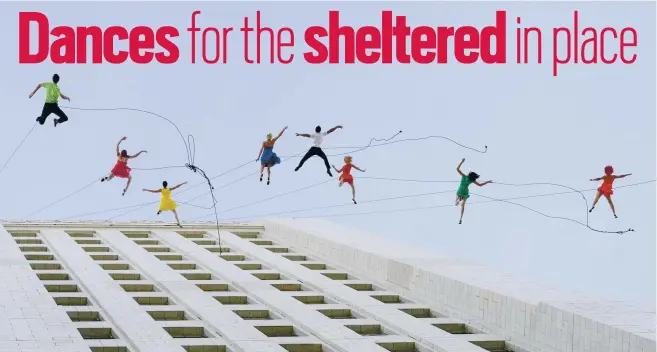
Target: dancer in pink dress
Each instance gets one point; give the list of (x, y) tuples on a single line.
[(121, 168)]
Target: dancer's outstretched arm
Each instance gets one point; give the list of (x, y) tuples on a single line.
[(623, 176), (152, 191), (596, 179), (357, 168), (138, 154), (118, 145), (336, 169), (303, 135), (178, 186), (279, 135), (333, 129), (458, 168), (482, 184), (35, 90)]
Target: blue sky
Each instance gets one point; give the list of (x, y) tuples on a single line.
[(538, 129)]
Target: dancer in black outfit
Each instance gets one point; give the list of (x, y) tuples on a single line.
[(316, 149)]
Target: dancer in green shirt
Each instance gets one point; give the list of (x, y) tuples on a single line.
[(52, 96)]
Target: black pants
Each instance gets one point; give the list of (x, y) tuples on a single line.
[(315, 151), (52, 108)]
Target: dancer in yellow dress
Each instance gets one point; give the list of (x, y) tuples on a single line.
[(167, 204)]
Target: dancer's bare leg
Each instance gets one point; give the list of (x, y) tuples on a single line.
[(268, 173), (611, 204), (595, 201), (176, 215), (262, 169), (462, 209), (127, 185), (353, 193)]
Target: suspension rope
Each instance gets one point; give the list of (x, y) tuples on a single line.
[(389, 141), (557, 217), (61, 199), (138, 206), (190, 149), (104, 211), (17, 148), (386, 141), (159, 168), (406, 180), (186, 202), (190, 138), (201, 195), (490, 200), (586, 203), (268, 199), (131, 211), (571, 190), (339, 205)]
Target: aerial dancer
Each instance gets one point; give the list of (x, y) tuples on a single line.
[(121, 168), (166, 203), (52, 96), (316, 149), (267, 157), (463, 193), (606, 189), (347, 177)]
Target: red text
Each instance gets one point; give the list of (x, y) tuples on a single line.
[(371, 45), (276, 43), (220, 42), (605, 45), (70, 47)]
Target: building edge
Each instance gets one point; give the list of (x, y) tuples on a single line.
[(529, 315)]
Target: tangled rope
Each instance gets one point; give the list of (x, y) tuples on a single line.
[(190, 149)]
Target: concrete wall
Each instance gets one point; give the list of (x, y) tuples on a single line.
[(530, 316)]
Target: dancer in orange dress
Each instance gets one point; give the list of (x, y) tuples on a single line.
[(121, 168), (606, 189), (346, 175)]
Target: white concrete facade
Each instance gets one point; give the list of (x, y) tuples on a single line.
[(280, 285), (529, 316)]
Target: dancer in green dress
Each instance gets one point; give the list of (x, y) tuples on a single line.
[(463, 193)]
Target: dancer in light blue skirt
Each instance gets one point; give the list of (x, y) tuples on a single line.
[(267, 157)]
